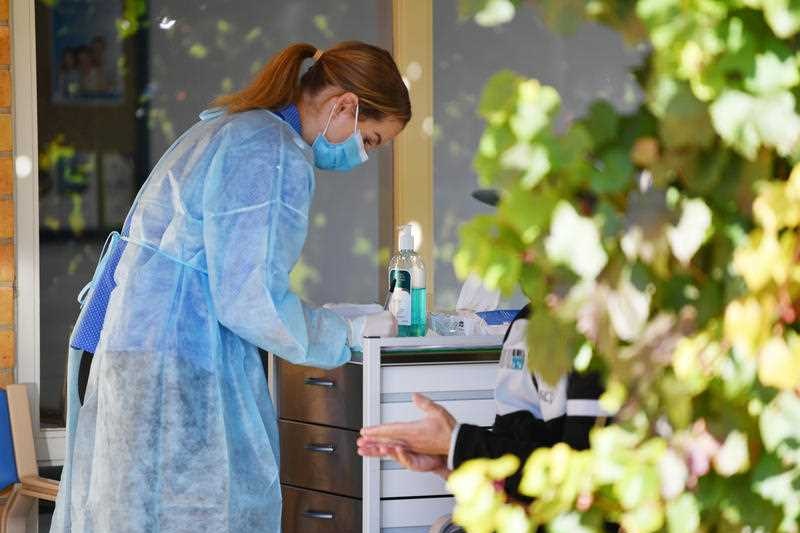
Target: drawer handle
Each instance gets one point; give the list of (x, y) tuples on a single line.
[(319, 515), (322, 447), (319, 382)]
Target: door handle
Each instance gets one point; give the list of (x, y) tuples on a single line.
[(319, 382), (321, 447), (319, 515)]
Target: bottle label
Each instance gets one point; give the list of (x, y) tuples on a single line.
[(400, 302)]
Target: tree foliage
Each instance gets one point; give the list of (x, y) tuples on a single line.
[(662, 246)]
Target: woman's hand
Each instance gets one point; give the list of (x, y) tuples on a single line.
[(429, 436)]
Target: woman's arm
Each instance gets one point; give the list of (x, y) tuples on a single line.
[(253, 233)]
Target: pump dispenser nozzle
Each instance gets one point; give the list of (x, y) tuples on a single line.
[(406, 237)]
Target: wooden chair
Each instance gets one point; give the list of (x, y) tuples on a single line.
[(29, 487)]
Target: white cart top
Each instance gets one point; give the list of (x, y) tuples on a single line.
[(426, 348)]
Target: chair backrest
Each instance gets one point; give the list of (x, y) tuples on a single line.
[(22, 431), (8, 465)]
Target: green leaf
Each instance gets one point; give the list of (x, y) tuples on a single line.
[(674, 474), (534, 161), (499, 96), (692, 230), (645, 518), (773, 74), (537, 105), (494, 141), (711, 169), (685, 121), (533, 283), (512, 519), (780, 426), (783, 16), (628, 309), (747, 508), (779, 364), (570, 155), (773, 482), (575, 241), (733, 457), (608, 218), (746, 122), (710, 304), (602, 122), (495, 12), (613, 172), (683, 514), (612, 445), (563, 16), (571, 523), (551, 346), (528, 212), (613, 397), (672, 293), (639, 484)]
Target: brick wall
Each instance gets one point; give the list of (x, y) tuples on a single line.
[(7, 263)]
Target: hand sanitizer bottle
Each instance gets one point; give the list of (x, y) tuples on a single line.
[(407, 275)]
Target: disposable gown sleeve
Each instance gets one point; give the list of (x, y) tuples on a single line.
[(253, 235)]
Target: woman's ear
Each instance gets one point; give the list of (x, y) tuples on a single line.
[(347, 104)]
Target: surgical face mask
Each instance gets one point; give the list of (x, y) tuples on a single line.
[(342, 156)]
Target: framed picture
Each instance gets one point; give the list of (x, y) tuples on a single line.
[(87, 53)]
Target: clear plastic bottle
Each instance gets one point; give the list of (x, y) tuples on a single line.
[(408, 300)]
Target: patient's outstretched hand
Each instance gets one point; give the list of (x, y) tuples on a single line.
[(417, 462), (429, 435)]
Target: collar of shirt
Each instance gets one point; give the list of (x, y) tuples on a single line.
[(291, 115)]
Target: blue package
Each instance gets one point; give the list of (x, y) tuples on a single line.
[(498, 317)]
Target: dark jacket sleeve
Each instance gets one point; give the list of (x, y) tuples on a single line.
[(517, 433), (475, 441)]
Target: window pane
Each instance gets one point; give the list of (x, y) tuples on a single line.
[(591, 63), (115, 90)]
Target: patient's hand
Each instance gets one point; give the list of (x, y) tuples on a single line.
[(430, 435), (418, 462)]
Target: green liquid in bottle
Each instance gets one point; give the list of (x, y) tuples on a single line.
[(419, 315)]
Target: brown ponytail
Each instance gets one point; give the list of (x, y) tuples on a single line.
[(367, 71), (275, 86)]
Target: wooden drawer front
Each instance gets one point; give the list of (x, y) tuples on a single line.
[(306, 511), (320, 458), (330, 397)]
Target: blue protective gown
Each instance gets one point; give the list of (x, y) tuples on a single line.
[(177, 430)]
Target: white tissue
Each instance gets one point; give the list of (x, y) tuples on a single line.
[(474, 296)]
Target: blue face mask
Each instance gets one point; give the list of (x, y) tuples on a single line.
[(342, 156)]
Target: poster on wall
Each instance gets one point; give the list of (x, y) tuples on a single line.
[(87, 54)]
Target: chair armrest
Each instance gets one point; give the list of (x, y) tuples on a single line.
[(46, 489)]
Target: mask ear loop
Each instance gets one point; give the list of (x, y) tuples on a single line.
[(330, 116), (355, 126)]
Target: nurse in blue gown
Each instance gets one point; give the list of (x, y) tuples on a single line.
[(177, 431)]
